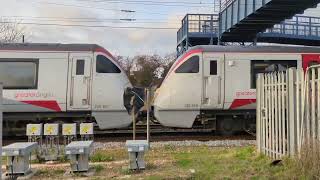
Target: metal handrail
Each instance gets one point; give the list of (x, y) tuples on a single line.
[(305, 26), (198, 23)]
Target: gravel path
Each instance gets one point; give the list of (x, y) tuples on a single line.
[(217, 143)]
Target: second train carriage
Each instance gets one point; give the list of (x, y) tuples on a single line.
[(214, 86), (62, 82)]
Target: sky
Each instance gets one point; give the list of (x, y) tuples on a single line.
[(42, 16), (125, 42)]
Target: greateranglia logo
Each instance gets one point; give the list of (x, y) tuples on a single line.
[(45, 95), (246, 93)]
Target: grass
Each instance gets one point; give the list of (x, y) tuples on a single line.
[(170, 162), (101, 156), (50, 173), (99, 168)]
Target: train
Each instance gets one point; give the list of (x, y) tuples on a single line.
[(215, 86), (211, 87), (62, 83)]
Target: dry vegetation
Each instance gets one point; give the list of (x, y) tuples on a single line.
[(308, 163), (191, 163)]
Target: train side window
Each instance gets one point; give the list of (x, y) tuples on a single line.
[(80, 67), (213, 68), (19, 73), (105, 65), (266, 66), (189, 66)]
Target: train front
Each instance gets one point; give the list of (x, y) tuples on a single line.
[(177, 101)]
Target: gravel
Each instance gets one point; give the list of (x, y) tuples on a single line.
[(217, 143)]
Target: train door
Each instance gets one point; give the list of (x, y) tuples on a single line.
[(80, 83), (213, 81)]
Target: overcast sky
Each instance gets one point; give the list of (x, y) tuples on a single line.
[(126, 42)]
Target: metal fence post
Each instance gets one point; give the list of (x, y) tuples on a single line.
[(292, 132)]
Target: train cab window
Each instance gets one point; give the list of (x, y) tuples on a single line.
[(80, 67), (189, 66), (105, 65), (19, 74), (213, 68), (266, 66)]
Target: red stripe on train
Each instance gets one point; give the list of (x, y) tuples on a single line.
[(183, 59), (242, 102), (308, 59), (52, 105)]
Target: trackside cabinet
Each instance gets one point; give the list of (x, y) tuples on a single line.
[(78, 153), (18, 157), (136, 150)]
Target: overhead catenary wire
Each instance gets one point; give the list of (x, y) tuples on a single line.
[(101, 8), (96, 26), (115, 21), (95, 20), (76, 18), (96, 8), (152, 3)]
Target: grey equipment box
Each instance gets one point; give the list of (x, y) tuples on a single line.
[(136, 149), (78, 153), (19, 155)]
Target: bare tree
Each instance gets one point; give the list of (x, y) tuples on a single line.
[(146, 70), (10, 31), (126, 63)]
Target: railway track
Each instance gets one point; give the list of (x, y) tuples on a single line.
[(158, 133), (156, 137)]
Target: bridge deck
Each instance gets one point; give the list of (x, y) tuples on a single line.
[(202, 29)]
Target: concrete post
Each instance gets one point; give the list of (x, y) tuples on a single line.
[(292, 134)]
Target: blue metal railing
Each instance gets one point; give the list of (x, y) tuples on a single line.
[(298, 26), (198, 23)]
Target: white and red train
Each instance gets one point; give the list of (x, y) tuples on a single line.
[(62, 82), (214, 86), (211, 86)]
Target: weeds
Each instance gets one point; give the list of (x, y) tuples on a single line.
[(169, 147), (50, 172), (101, 156), (309, 160), (99, 168)]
